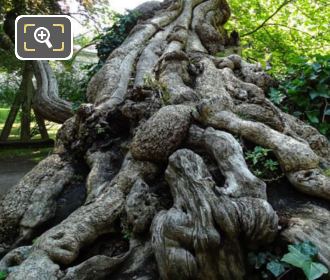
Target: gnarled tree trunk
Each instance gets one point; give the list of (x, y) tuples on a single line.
[(149, 181), (47, 101)]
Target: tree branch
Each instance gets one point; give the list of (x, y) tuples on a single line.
[(267, 19), (81, 49), (289, 27)]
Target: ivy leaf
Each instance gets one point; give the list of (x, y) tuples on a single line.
[(276, 268), (257, 260), (314, 270), (3, 275), (313, 117), (314, 77), (327, 112), (314, 94), (316, 67), (297, 258), (276, 96), (307, 248)]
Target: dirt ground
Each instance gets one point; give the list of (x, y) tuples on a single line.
[(11, 171)]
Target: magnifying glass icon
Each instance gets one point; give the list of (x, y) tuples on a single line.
[(41, 35)]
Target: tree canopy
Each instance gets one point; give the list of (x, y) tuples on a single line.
[(278, 32)]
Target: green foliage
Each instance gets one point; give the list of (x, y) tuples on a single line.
[(115, 35), (327, 172), (3, 275), (3, 114), (276, 96), (307, 90), (267, 264), (297, 28), (301, 256), (127, 234), (112, 37), (276, 267), (8, 61), (33, 154), (72, 85), (291, 39), (43, 7), (159, 88), (257, 155), (9, 88), (261, 162)]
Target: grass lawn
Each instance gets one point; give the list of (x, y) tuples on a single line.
[(15, 132), (34, 154), (3, 115)]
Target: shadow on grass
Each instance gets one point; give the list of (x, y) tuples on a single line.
[(52, 128), (33, 154)]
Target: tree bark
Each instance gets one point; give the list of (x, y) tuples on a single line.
[(42, 126), (20, 97), (11, 116), (149, 181), (47, 102), (27, 105)]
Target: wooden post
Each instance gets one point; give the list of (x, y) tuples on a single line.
[(27, 89), (24, 99), (13, 112), (42, 127)]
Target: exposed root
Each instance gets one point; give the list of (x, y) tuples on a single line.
[(47, 101), (97, 267), (33, 201), (162, 134), (228, 153), (293, 156), (309, 222), (193, 237), (311, 181), (141, 207)]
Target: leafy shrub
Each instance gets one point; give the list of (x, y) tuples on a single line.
[(262, 163), (112, 37), (159, 88), (9, 88), (305, 92), (287, 30), (326, 172), (300, 256), (107, 41), (3, 275), (73, 85)]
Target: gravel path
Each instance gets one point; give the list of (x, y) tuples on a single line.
[(11, 171)]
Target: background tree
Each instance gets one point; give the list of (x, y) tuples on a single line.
[(290, 39), (282, 32), (47, 103)]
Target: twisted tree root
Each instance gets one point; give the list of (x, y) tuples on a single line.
[(193, 238)]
